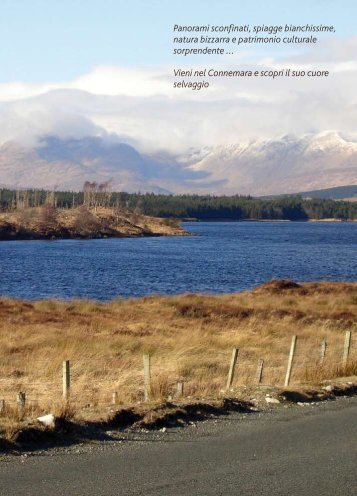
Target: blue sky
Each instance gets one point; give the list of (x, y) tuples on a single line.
[(57, 40)]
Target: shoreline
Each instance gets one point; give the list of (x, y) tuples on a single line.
[(22, 235), (270, 220), (88, 238)]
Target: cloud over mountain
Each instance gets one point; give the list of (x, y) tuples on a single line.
[(141, 106), (283, 165)]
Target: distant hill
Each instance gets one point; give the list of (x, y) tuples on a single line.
[(66, 164), (338, 193)]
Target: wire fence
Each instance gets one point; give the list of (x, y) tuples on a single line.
[(104, 381)]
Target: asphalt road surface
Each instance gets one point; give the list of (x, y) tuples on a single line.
[(299, 451)]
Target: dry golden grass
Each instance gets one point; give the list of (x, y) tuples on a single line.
[(190, 338), (82, 222)]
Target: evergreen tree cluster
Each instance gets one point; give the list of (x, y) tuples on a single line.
[(201, 207)]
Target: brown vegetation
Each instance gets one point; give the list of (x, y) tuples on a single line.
[(49, 222), (189, 337)]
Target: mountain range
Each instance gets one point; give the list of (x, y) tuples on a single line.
[(263, 167)]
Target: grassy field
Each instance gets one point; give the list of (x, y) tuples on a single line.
[(189, 337)]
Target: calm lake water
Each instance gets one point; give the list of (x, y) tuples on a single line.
[(225, 257)]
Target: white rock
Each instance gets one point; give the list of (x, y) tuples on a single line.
[(328, 388), (272, 400), (47, 420)]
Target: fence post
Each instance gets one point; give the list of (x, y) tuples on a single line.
[(290, 361), (323, 352), (346, 348), (114, 398), (2, 406), (260, 371), (147, 377), (179, 388), (232, 367), (21, 399), (66, 379)]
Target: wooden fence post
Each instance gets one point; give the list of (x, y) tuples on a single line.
[(232, 367), (260, 371), (323, 352), (346, 348), (179, 388), (66, 379), (114, 398), (2, 406), (147, 377), (290, 361)]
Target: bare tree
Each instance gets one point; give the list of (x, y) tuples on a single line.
[(89, 190), (97, 194)]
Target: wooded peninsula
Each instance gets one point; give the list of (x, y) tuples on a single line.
[(195, 207)]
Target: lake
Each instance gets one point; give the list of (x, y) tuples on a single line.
[(224, 257)]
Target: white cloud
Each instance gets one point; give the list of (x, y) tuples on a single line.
[(112, 80), (141, 104), (350, 66), (17, 91)]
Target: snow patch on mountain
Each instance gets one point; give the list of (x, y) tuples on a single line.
[(268, 166)]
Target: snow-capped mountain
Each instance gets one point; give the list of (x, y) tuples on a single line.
[(283, 165)]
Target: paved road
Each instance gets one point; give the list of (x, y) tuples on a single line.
[(302, 451)]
